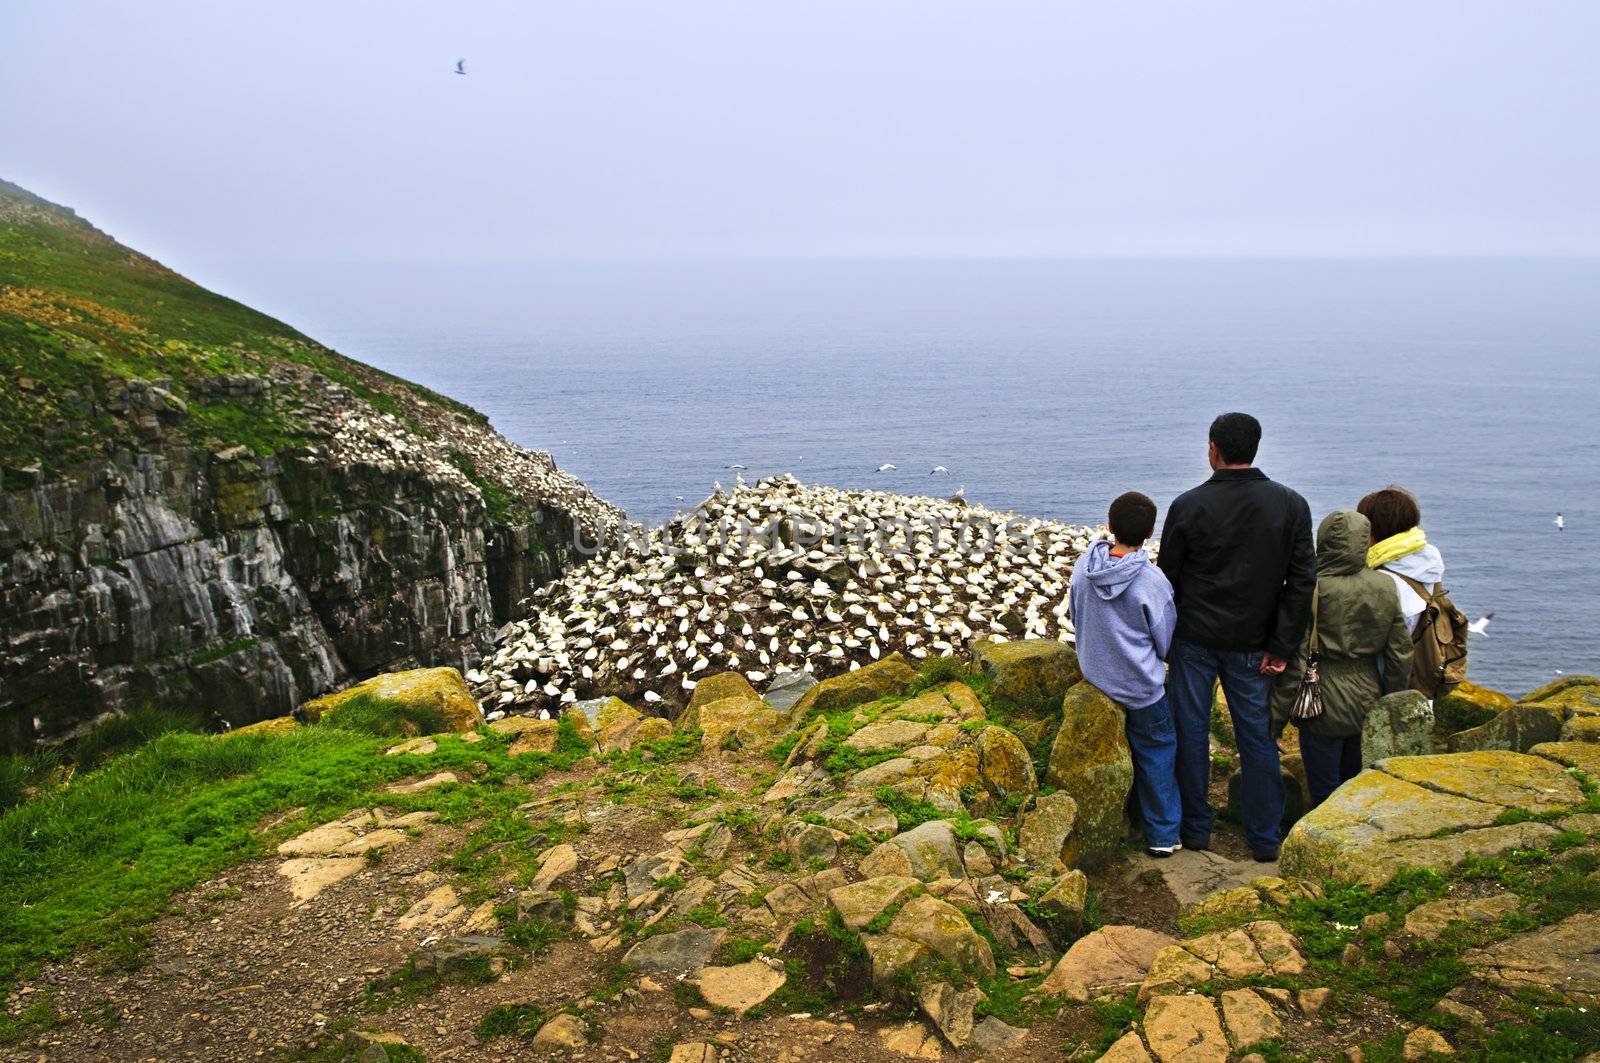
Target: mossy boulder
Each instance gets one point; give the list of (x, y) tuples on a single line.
[(1518, 729), (889, 677), (610, 723), (1005, 766), (1561, 686), (1398, 725), (1468, 705), (1429, 811), (715, 688), (1033, 674), (420, 701), (1576, 698), (744, 722), (276, 725), (1090, 760)]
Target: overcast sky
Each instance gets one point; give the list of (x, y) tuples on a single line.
[(214, 132)]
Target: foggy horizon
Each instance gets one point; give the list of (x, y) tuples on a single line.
[(712, 131)]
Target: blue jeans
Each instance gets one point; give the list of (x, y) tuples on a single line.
[(1329, 762), (1192, 671), (1154, 743)]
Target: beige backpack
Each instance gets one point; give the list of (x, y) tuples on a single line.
[(1438, 643)]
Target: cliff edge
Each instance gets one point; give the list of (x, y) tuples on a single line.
[(202, 508)]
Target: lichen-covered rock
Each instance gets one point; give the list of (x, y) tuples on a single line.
[(1426, 812), (1581, 728), (1004, 765), (715, 688), (1518, 729), (1569, 692), (943, 929), (1398, 725), (787, 688), (609, 722), (274, 726), (743, 722), (1563, 958), (1090, 761), (1067, 898), (861, 902), (1110, 960), (1585, 756), (893, 959), (881, 679), (1049, 837), (1033, 674), (430, 690), (1468, 705), (931, 850)]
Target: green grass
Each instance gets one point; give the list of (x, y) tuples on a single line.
[(515, 1020), (373, 715)]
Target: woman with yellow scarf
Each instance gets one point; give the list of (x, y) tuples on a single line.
[(1400, 549)]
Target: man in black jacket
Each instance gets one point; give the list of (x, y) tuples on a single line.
[(1239, 554)]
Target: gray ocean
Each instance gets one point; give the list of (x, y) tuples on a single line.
[(1045, 387)]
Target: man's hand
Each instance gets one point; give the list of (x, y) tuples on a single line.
[(1271, 665)]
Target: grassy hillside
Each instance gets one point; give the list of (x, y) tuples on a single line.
[(80, 313)]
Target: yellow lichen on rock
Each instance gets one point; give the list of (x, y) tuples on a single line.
[(441, 690)]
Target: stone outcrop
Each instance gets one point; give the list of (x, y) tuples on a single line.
[(1033, 674), (1090, 760), (1399, 725), (1429, 811)]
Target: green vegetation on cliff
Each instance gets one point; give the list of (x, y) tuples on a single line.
[(80, 314)]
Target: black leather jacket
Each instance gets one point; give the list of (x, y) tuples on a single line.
[(1238, 552)]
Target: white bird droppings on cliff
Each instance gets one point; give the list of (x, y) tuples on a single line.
[(781, 576)]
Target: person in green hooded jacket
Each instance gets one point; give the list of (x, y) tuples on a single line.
[(1363, 647)]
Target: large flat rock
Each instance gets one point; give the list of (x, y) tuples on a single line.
[(1427, 811), (1563, 958)]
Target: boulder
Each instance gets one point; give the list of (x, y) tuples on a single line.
[(275, 726), (1033, 674), (1398, 725), (1090, 761), (1428, 921), (893, 959), (747, 721), (887, 734), (1518, 729), (1428, 811), (805, 842), (889, 677), (1066, 900), (428, 693), (1005, 767), (610, 723), (1468, 705), (942, 928), (859, 813), (787, 688), (1581, 729), (1108, 961), (1572, 693), (861, 902), (563, 1031), (931, 850), (1048, 837), (950, 1009), (1585, 756), (715, 688)]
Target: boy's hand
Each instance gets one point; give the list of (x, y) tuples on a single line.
[(1271, 665)]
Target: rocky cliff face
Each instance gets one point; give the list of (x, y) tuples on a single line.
[(200, 508)]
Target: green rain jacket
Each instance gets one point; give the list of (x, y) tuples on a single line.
[(1364, 643)]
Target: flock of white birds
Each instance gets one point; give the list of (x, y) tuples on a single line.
[(782, 576)]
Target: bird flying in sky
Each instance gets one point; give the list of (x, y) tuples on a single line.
[(461, 66)]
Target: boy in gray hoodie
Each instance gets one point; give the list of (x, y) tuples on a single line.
[(1123, 614)]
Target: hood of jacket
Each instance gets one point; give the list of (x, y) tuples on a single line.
[(1426, 566), (1342, 541), (1109, 576)]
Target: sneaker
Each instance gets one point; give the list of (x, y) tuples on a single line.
[(1265, 856), (1197, 844), (1161, 852)]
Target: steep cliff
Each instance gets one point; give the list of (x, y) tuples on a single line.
[(201, 507)]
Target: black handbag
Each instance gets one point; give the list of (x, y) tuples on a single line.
[(1308, 699)]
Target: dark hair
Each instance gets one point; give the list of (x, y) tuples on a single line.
[(1390, 512), (1132, 518), (1237, 435)]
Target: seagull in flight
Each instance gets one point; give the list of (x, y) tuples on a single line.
[(737, 468), (937, 469), (1561, 522), (461, 67), (886, 467), (1480, 626)]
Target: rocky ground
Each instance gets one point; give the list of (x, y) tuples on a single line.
[(895, 865)]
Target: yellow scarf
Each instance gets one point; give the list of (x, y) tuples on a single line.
[(1395, 547)]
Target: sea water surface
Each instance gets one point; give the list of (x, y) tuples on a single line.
[(1045, 387)]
